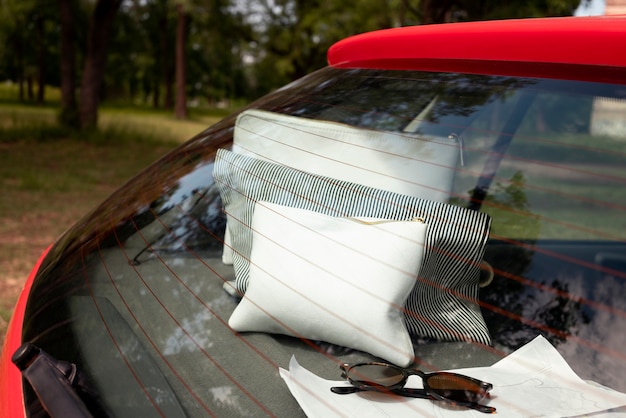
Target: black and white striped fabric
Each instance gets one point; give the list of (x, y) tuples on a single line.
[(443, 303)]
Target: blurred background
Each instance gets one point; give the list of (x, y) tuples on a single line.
[(202, 53)]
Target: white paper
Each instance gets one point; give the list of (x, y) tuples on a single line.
[(534, 381)]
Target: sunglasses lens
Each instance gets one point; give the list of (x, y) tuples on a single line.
[(455, 388), (375, 375)]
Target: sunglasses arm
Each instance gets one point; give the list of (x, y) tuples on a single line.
[(408, 392)]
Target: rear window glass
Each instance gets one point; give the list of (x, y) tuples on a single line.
[(519, 181)]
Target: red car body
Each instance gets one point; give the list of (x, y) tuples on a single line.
[(586, 49), (12, 401), (572, 48)]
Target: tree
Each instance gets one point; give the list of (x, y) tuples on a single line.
[(41, 57), (294, 35), (69, 108), (442, 11), (100, 27), (27, 36), (216, 53), (180, 110), (14, 15), (159, 39)]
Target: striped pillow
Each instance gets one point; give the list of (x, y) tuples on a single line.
[(443, 303)]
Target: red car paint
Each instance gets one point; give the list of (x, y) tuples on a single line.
[(581, 48), (575, 48), (11, 395)]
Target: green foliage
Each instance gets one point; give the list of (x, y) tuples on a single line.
[(28, 40), (521, 9), (293, 38), (235, 49), (470, 10)]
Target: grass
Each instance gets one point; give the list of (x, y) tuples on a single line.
[(49, 177)]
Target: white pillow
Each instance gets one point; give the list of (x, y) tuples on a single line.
[(396, 161), (400, 162), (340, 280)]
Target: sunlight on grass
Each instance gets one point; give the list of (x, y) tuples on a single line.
[(18, 122), (19, 117), (9, 91), (157, 125), (15, 116), (56, 168)]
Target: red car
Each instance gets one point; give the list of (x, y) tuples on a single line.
[(437, 197)]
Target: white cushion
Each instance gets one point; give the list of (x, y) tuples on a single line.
[(401, 162), (396, 161), (340, 280)]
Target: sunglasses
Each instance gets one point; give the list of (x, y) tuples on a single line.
[(453, 388)]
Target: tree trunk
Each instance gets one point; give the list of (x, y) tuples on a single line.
[(180, 110), (161, 50), (156, 91), (69, 109), (41, 61), (168, 63), (169, 86), (95, 60), (19, 52), (29, 86), (435, 11)]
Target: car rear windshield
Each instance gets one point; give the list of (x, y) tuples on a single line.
[(519, 181)]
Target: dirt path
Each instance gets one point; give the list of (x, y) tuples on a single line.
[(47, 187), (24, 238)]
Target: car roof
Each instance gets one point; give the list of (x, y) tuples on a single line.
[(583, 48)]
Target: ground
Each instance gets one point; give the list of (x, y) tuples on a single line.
[(45, 187)]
